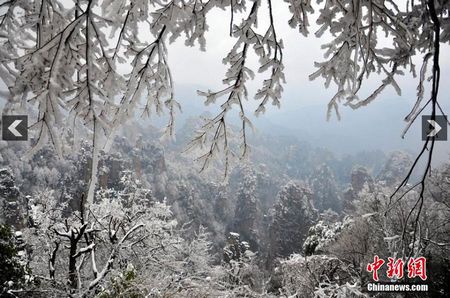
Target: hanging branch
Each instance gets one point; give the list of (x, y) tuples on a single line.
[(430, 141), (237, 74), (215, 136), (272, 87), (353, 52), (300, 10)]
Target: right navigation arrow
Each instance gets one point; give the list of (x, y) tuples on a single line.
[(436, 128)]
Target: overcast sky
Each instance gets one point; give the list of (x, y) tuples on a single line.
[(192, 67)]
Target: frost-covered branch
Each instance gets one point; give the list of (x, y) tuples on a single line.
[(215, 137), (111, 259), (300, 10), (353, 54), (272, 87)]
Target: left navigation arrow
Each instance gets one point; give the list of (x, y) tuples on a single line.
[(14, 127), (13, 130)]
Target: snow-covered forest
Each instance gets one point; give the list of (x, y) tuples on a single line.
[(304, 224), (101, 202)]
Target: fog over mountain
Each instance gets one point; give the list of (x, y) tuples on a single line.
[(378, 126)]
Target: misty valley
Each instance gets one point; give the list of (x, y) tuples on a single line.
[(294, 219)]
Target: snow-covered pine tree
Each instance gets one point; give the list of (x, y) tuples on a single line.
[(247, 214), (293, 214), (326, 193)]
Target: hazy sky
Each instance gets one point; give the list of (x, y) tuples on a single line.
[(192, 67)]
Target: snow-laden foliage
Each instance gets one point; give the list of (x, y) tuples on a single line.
[(322, 234), (95, 64), (293, 214), (98, 241), (379, 225), (240, 274), (125, 243), (215, 133), (317, 276)]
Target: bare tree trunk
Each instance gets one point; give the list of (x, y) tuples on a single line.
[(53, 260), (73, 280)]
